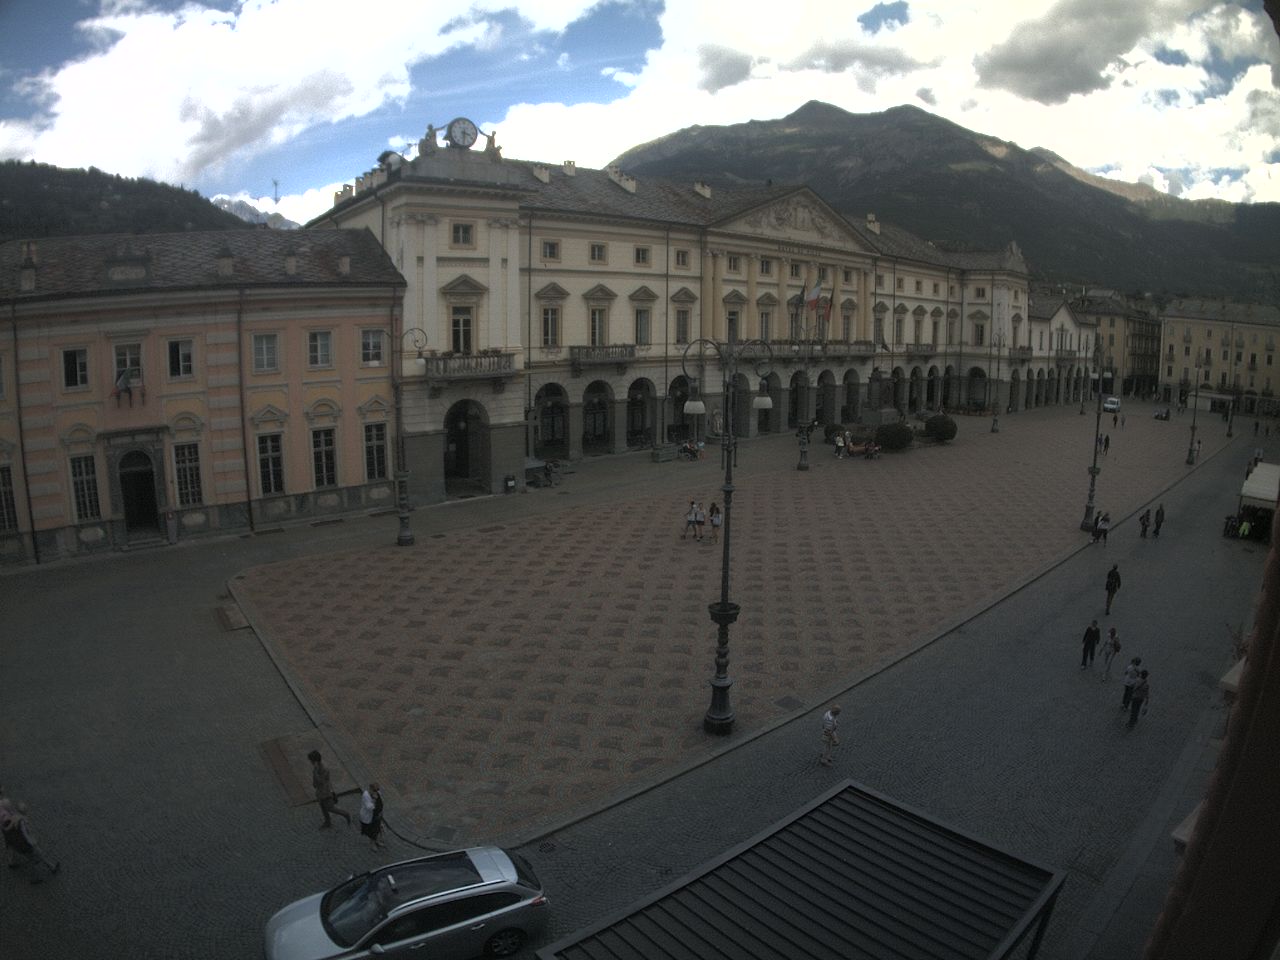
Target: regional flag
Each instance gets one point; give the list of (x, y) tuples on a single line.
[(813, 296)]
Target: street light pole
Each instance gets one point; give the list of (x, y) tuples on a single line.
[(1087, 522), (1195, 407), (995, 407), (720, 717)]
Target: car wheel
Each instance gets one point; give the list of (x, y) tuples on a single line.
[(504, 943)]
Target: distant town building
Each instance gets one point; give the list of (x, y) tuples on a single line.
[(167, 386), (559, 307), (1228, 348)]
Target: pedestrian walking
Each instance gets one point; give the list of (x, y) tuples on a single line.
[(1115, 420), (690, 520), (1110, 647), (1092, 634), (1122, 421), (830, 736), (699, 519), (1198, 443), (1255, 427), (325, 795), (1159, 520), (1104, 527), (1113, 585), (1132, 672), (1140, 698), (717, 520), (371, 815), (1144, 519), (20, 841), (1106, 444)]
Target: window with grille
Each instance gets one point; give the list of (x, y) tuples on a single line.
[(181, 363), (8, 506), (320, 348), (324, 457), (84, 486), (550, 326), (371, 347), (271, 463), (375, 451), (186, 473), (266, 355), (75, 368)]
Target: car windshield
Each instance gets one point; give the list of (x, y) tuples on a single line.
[(351, 910)]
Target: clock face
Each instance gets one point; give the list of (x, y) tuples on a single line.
[(462, 132)]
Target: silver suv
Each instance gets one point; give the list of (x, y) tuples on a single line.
[(458, 905)]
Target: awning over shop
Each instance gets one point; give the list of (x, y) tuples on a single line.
[(1262, 487), (851, 875)]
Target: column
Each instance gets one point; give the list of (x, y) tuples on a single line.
[(717, 292), (749, 325), (618, 425), (575, 430)]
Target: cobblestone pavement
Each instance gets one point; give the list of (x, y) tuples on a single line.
[(504, 677), (135, 722)]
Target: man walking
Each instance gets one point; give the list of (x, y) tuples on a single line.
[(690, 520), (1144, 519), (1109, 650), (325, 796), (1140, 698), (1091, 637), (1159, 520), (830, 739), (1113, 585), (1132, 674)]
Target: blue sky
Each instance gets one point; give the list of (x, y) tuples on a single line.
[(227, 96)]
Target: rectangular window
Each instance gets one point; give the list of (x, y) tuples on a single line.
[(847, 276), (766, 268), (935, 288), (847, 320), (1016, 296), (735, 263), (919, 286), (180, 362), (320, 348), (271, 463), (766, 321), (462, 235), (550, 249), (324, 457), (375, 451), (1111, 321), (879, 281), (642, 326), (460, 332), (371, 348), (266, 355), (901, 283), (897, 330), (795, 271), (951, 290), (75, 368), (822, 274), (599, 332), (642, 256), (979, 334), (979, 292), (682, 326), (128, 364), (8, 506), (682, 258), (1186, 351), (879, 331), (598, 253), (551, 326), (84, 485), (186, 473)]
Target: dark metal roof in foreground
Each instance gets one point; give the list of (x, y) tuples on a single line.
[(852, 875)]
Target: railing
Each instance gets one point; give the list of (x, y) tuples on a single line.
[(921, 349), (471, 366), (1020, 353), (1062, 354), (619, 354)]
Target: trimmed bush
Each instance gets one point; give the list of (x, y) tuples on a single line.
[(893, 436), (940, 427)]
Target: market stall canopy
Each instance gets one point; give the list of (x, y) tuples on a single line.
[(1262, 487)]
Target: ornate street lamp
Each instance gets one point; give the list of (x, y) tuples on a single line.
[(1195, 406), (419, 339), (719, 718), (1087, 522)]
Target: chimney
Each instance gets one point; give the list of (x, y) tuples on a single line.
[(346, 193), (570, 168), (344, 265), (702, 188), (873, 224), (626, 182), (226, 263), (541, 172)]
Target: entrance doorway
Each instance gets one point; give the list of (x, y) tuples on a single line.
[(466, 450), (138, 493)]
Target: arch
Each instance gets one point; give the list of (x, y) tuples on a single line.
[(679, 429), (898, 397), (324, 411), (851, 412), (933, 389), (641, 412), (976, 389), (1040, 394), (1015, 384), (597, 431), (798, 400), (551, 420), (742, 397), (770, 421), (825, 406), (1029, 395), (466, 449)]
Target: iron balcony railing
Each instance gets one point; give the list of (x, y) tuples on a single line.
[(470, 366)]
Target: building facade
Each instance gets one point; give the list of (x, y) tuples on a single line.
[(1222, 351), (156, 388), (558, 311), (1129, 332)]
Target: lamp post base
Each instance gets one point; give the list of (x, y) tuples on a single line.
[(405, 537), (720, 717), (995, 424)]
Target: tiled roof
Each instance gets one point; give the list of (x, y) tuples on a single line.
[(1222, 310), (852, 875), (1043, 308), (109, 263), (893, 241)]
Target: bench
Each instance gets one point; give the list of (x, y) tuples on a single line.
[(663, 452)]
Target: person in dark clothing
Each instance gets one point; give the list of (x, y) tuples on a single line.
[(325, 795), (1113, 585), (1092, 635), (1140, 698), (1145, 521), (1159, 520)]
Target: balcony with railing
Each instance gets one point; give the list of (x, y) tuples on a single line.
[(497, 366), (1065, 355), (1021, 354), (613, 354)]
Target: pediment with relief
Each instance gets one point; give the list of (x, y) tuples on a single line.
[(801, 219)]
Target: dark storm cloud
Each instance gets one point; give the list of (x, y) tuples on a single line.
[(722, 67), (1072, 49), (251, 119)]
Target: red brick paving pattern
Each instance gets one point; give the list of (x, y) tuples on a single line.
[(507, 675)]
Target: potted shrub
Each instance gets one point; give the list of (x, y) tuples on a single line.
[(940, 428), (893, 436)]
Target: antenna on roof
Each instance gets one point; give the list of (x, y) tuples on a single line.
[(275, 190)]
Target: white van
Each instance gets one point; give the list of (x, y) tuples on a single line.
[(1111, 404)]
